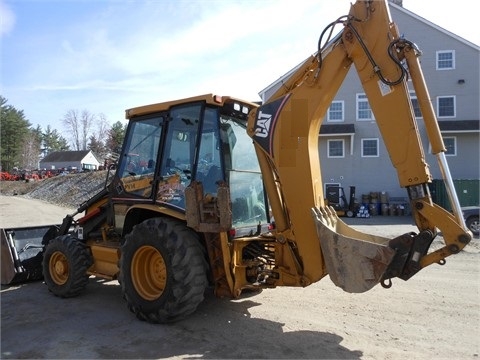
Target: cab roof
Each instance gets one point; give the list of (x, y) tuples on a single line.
[(208, 98)]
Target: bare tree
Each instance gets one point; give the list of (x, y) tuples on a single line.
[(87, 120), (79, 126), (71, 122), (30, 151), (103, 128)]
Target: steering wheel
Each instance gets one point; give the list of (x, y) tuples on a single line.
[(184, 174)]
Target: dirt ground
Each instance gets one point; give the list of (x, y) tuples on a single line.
[(436, 314)]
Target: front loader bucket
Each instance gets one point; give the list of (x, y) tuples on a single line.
[(355, 261), (22, 252)]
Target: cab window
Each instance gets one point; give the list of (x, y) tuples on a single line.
[(137, 167)]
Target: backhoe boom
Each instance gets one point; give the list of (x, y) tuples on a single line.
[(285, 132)]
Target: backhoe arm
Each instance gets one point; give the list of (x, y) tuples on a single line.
[(285, 133)]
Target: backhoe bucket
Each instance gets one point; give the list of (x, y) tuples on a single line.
[(355, 261), (22, 252)]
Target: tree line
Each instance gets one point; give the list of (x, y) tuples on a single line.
[(22, 146)]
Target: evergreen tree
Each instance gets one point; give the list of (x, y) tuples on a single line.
[(14, 129), (53, 141), (115, 138), (97, 147)]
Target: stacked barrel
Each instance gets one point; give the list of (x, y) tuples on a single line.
[(378, 203)]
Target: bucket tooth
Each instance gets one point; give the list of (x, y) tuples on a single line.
[(354, 260)]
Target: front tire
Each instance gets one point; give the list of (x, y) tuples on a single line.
[(65, 264), (163, 271)]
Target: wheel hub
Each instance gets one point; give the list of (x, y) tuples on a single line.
[(59, 268), (149, 273)]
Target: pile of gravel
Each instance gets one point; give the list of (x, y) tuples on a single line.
[(69, 190)]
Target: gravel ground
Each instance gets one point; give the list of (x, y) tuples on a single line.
[(69, 190), (434, 315)]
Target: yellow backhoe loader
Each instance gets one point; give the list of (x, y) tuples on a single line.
[(199, 181)]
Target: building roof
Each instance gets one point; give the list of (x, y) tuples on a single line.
[(431, 24), (63, 156)]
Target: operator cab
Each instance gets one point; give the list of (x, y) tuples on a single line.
[(170, 145)]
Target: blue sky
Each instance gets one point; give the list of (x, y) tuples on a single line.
[(105, 56)]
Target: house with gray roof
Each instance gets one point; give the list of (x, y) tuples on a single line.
[(70, 160)]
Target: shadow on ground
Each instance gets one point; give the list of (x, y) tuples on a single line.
[(97, 324)]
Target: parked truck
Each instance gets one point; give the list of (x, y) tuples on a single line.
[(217, 192)]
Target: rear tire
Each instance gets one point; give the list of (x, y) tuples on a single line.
[(65, 264), (473, 225), (163, 271)]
